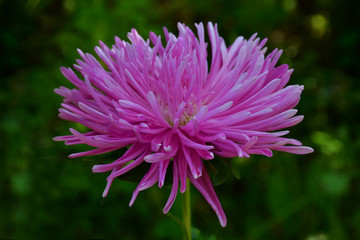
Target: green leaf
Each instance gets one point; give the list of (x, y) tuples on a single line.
[(235, 170), (217, 171), (218, 179)]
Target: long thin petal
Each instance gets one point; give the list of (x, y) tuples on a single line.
[(204, 185)]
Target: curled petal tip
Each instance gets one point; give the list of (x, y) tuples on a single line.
[(223, 222), (96, 169), (136, 192), (63, 69), (73, 155), (106, 191), (58, 138), (296, 149), (182, 189), (167, 148), (107, 188), (307, 150)]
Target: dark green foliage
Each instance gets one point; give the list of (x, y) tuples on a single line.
[(45, 195)]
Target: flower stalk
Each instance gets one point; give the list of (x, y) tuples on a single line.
[(186, 210)]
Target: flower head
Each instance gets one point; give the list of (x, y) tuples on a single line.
[(168, 103)]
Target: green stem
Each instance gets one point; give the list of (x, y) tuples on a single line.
[(186, 209)]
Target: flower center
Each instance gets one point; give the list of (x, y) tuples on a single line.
[(185, 112)]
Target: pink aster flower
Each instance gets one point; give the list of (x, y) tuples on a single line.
[(168, 103)]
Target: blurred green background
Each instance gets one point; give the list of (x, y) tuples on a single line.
[(45, 195)]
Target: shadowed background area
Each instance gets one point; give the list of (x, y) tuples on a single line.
[(45, 195)]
